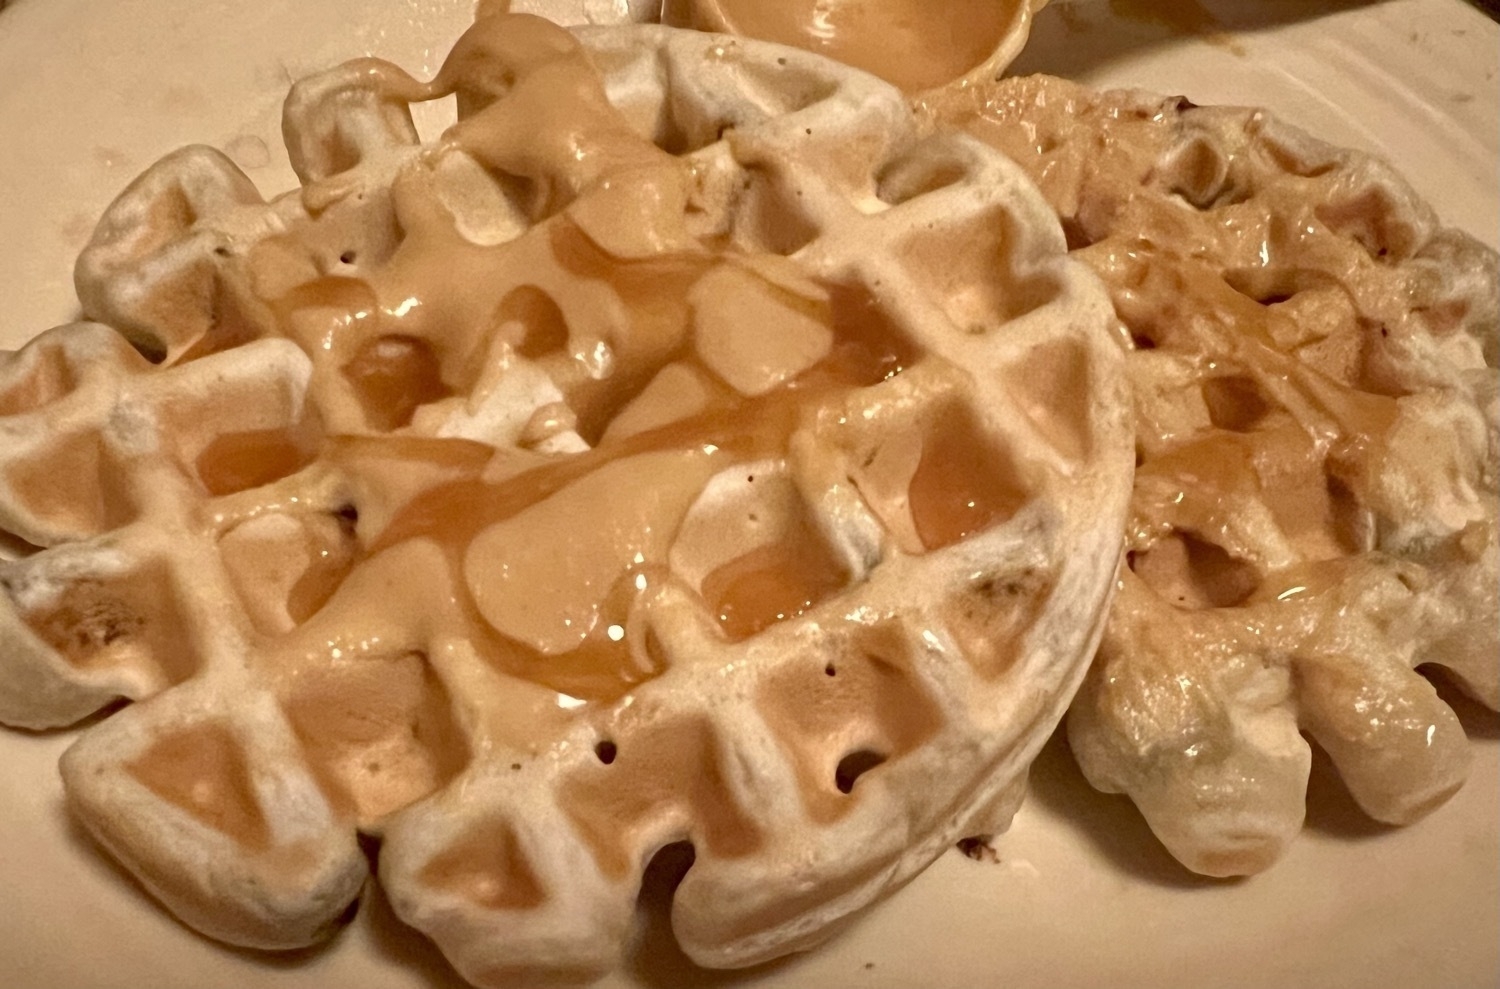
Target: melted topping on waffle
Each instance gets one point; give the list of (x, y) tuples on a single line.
[(580, 481), (673, 362), (1313, 370)]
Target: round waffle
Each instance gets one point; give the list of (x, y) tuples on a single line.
[(1314, 514), (681, 448)]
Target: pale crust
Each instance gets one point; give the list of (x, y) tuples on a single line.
[(1314, 517), (315, 654)]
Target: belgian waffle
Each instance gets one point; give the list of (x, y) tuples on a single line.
[(684, 446), (1313, 368)]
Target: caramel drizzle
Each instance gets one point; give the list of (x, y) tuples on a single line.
[(604, 266), (1167, 269), (733, 430)]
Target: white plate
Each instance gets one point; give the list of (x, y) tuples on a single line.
[(90, 93)]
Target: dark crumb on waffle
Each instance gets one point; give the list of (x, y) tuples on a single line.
[(979, 849)]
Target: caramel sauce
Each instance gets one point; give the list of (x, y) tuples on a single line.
[(1295, 484), (743, 429), (1234, 403), (239, 461), (773, 583), (363, 454), (734, 429), (331, 558), (393, 375), (963, 484), (284, 565), (1191, 573), (539, 325), (202, 770), (868, 346)]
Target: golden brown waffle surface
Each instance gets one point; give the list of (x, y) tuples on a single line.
[(1314, 517), (684, 446)]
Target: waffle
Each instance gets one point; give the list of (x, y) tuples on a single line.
[(683, 447), (1314, 516)]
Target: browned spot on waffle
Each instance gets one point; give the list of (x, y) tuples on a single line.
[(124, 620), (991, 616), (71, 485), (488, 867), (671, 771), (49, 378), (841, 719), (1052, 386), (202, 770), (377, 730)]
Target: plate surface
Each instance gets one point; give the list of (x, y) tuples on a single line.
[(1079, 894)]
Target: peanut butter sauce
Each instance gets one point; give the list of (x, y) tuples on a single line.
[(331, 557), (912, 44)]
